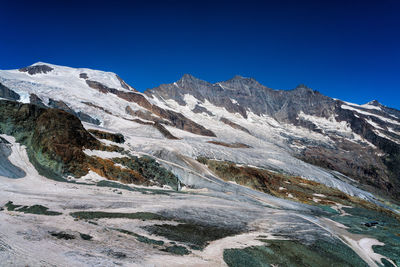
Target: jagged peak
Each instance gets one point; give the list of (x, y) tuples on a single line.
[(190, 79), (238, 77), (302, 86)]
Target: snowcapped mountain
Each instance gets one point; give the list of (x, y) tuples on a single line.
[(285, 130), (230, 139), (361, 141)]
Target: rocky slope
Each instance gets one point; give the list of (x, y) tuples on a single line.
[(56, 142)]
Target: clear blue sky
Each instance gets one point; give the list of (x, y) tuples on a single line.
[(345, 49)]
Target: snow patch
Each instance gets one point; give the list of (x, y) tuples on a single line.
[(103, 154), (370, 114)]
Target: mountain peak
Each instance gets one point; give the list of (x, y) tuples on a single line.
[(190, 80), (302, 86), (37, 68), (188, 77), (374, 103), (238, 77), (241, 78)]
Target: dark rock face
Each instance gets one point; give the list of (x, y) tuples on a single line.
[(167, 134), (156, 121), (352, 160), (233, 145), (98, 107), (32, 70), (386, 171), (82, 116), (234, 125), (60, 105), (99, 86), (83, 76), (7, 93), (117, 138), (35, 100), (54, 139), (145, 115), (62, 134), (85, 117), (176, 119), (124, 84), (200, 109)]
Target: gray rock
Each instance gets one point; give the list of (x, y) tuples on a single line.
[(82, 116), (36, 69), (7, 93)]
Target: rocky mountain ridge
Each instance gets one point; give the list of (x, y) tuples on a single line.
[(373, 122)]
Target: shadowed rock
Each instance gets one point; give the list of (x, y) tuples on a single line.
[(117, 138), (83, 76), (36, 69), (200, 109), (82, 116), (234, 125), (124, 84), (35, 100), (233, 145), (7, 93)]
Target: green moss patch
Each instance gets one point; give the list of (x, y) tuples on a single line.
[(85, 236), (386, 230), (175, 249), (196, 236), (150, 169), (293, 253), (62, 235), (90, 215), (11, 207), (35, 209), (141, 238)]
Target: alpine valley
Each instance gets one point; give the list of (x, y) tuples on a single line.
[(192, 173)]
